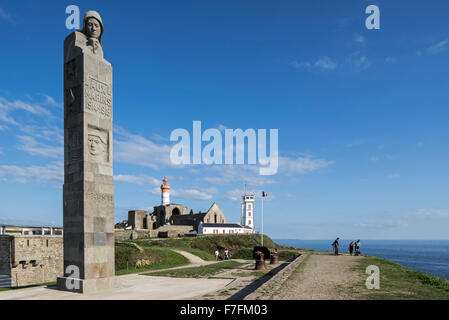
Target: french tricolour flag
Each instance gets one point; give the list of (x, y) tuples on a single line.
[(264, 194)]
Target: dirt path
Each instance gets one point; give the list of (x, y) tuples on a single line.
[(322, 277), (192, 258)]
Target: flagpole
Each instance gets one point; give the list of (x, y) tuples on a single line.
[(262, 221)]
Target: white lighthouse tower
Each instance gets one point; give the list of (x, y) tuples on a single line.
[(247, 217), (165, 192)]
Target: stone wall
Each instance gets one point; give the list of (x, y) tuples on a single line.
[(121, 235), (137, 219), (191, 220), (31, 259), (5, 261), (274, 284)]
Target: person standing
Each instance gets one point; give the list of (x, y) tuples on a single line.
[(335, 245), (216, 255), (351, 247), (357, 247)]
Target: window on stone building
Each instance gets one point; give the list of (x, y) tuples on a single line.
[(47, 242), (28, 243)]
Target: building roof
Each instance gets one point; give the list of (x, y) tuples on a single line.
[(221, 225)]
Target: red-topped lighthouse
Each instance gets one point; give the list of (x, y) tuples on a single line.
[(165, 192)]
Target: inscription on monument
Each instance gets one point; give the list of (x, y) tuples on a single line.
[(100, 196), (98, 97), (100, 239)]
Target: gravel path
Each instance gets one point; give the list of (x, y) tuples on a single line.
[(192, 258), (322, 277)]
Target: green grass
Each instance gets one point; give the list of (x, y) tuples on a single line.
[(197, 272), (160, 258), (199, 253), (30, 286), (209, 244), (398, 282), (245, 253), (288, 255)]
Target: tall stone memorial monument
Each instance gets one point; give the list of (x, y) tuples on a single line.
[(88, 186)]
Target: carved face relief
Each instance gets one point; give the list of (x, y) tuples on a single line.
[(93, 28), (96, 146)]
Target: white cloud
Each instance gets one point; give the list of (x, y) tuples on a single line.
[(427, 214), (249, 174), (236, 194), (374, 225), (7, 107), (136, 179), (233, 174), (439, 47), (50, 133), (51, 172), (419, 144), (324, 63), (186, 193), (359, 38), (390, 60), (355, 143), (301, 165), (137, 150), (6, 16), (358, 61), (49, 101), (32, 146)]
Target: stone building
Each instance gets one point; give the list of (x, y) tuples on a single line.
[(169, 216), (223, 228), (30, 259)]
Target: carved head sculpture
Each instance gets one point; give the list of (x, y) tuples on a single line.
[(93, 25), (97, 143)]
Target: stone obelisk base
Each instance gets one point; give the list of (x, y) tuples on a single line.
[(87, 286)]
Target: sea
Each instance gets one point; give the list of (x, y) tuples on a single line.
[(430, 256)]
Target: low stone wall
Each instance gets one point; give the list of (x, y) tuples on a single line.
[(120, 234), (30, 259), (163, 232), (266, 291)]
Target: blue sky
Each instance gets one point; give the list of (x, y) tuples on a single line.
[(362, 114)]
